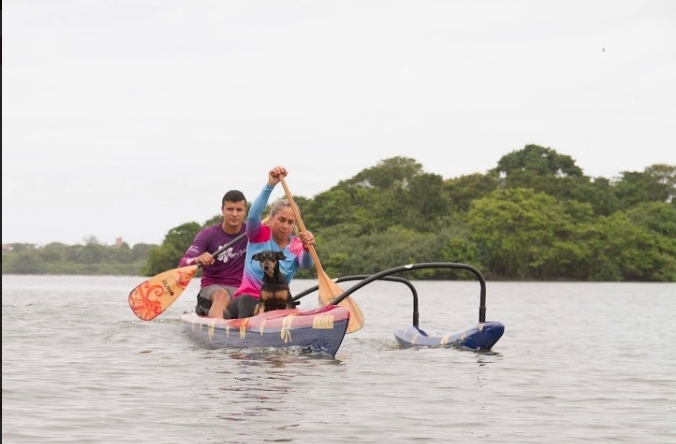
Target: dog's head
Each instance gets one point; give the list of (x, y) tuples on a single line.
[(269, 260)]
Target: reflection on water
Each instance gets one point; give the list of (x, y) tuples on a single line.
[(262, 382), (281, 358), (484, 357)]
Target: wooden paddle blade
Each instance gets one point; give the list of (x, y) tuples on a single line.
[(329, 290), (149, 299), (356, 321)]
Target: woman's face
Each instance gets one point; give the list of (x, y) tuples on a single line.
[(283, 223)]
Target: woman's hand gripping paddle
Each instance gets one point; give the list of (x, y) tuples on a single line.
[(328, 290)]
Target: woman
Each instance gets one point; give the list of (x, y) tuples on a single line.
[(276, 236)]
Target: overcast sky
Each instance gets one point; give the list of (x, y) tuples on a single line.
[(126, 118)]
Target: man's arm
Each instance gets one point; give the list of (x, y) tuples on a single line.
[(195, 254)]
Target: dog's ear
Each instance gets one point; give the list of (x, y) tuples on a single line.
[(256, 257), (280, 256)]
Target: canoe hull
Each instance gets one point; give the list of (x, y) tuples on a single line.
[(320, 330), (481, 337)]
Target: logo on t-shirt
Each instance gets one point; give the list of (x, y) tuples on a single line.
[(230, 254)]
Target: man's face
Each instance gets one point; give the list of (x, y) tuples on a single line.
[(234, 213)]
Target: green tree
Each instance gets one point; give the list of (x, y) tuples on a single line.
[(623, 250), (54, 252), (521, 234), (538, 161), (656, 184), (122, 254), (424, 202), (175, 244), (387, 173), (665, 175), (23, 261), (394, 192), (92, 253), (141, 251), (464, 189), (546, 171)]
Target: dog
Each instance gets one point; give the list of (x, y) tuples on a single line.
[(275, 294)]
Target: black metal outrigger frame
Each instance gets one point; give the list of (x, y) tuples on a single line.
[(385, 275)]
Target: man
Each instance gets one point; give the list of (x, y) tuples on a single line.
[(222, 275)]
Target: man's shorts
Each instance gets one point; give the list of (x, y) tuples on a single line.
[(204, 297)]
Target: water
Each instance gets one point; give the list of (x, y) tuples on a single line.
[(579, 362)]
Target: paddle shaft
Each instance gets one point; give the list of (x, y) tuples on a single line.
[(225, 247), (231, 243), (328, 290), (299, 221)]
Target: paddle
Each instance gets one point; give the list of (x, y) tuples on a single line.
[(328, 290), (149, 299)]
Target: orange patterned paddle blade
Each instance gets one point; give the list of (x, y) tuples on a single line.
[(149, 299)]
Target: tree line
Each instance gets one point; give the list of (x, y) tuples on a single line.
[(535, 216)]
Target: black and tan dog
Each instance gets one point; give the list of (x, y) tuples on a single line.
[(275, 294)]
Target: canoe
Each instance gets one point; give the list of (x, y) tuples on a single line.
[(320, 330), (481, 337)]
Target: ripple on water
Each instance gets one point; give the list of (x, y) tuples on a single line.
[(578, 362)]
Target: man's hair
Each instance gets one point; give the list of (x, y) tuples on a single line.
[(233, 196)]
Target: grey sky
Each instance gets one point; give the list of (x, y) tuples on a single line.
[(127, 118)]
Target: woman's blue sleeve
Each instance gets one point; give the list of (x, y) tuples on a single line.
[(305, 260), (253, 223)]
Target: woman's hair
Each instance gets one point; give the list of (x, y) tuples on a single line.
[(277, 206)]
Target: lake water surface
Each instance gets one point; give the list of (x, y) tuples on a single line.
[(579, 362)]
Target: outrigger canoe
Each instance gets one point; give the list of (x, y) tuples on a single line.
[(320, 330)]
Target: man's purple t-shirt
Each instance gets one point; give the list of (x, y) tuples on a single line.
[(229, 265)]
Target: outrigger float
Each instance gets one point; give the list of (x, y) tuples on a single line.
[(323, 329)]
